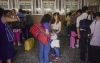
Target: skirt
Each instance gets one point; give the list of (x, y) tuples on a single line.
[(6, 47)]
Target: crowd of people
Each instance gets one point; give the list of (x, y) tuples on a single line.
[(86, 39), (7, 17)]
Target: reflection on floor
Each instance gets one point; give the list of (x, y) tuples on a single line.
[(68, 55)]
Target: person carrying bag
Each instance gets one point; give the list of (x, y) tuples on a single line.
[(9, 32)]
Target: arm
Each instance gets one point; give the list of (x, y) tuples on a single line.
[(59, 29), (10, 19), (78, 29), (52, 29), (47, 31), (78, 32), (24, 18)]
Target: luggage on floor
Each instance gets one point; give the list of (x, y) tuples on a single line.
[(29, 44)]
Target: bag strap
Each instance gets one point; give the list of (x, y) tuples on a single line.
[(41, 30), (87, 17), (6, 24)]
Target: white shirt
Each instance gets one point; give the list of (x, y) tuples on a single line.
[(56, 26), (81, 17)]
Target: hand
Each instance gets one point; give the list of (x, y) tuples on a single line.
[(89, 34), (79, 36)]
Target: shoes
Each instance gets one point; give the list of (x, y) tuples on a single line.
[(77, 45), (43, 62), (19, 44), (83, 62), (50, 62), (52, 55), (56, 59), (73, 47)]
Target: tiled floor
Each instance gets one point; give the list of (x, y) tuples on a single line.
[(68, 55)]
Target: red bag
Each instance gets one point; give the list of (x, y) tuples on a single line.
[(38, 31)]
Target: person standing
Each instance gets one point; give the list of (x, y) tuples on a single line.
[(95, 41), (82, 33), (22, 18), (68, 23), (17, 32), (56, 28), (45, 48), (6, 47)]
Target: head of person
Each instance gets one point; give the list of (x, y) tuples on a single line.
[(79, 12), (27, 12), (55, 18), (20, 10), (7, 13), (93, 15), (89, 12), (85, 9), (24, 12), (13, 11), (98, 15), (69, 14), (1, 12), (50, 13), (46, 18)]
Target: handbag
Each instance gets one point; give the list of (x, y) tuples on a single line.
[(38, 31), (85, 23), (55, 43), (9, 32), (18, 25)]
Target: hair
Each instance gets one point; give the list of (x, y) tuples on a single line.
[(1, 11), (79, 11), (6, 11), (53, 20), (14, 9), (27, 12), (46, 18), (98, 14), (20, 10), (84, 9), (89, 13), (23, 11)]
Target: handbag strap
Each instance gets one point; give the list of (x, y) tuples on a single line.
[(41, 30), (6, 24)]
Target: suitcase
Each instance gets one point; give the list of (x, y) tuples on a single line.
[(29, 44)]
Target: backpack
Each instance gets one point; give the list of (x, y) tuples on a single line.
[(85, 23), (38, 30)]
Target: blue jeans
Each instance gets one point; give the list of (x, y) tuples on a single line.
[(44, 52), (55, 50)]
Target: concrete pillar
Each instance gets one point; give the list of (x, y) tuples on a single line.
[(79, 4), (85, 2), (82, 3)]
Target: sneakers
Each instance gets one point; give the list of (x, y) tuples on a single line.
[(77, 45), (56, 59), (52, 55), (73, 47)]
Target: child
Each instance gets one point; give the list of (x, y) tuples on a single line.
[(17, 36), (72, 39), (16, 31)]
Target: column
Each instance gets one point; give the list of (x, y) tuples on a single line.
[(80, 4), (13, 4), (16, 4), (85, 2), (99, 7), (60, 6), (37, 7), (10, 4)]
